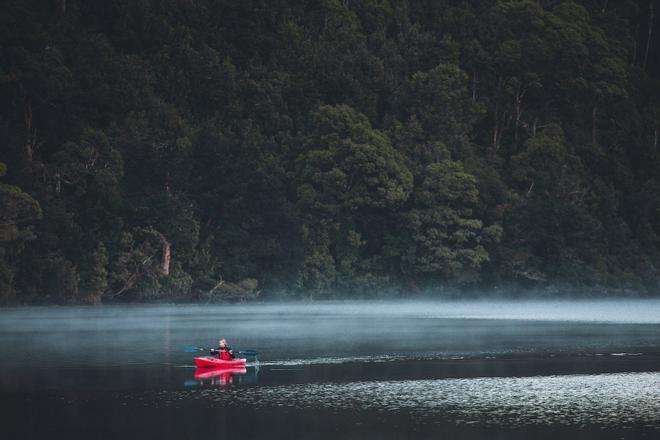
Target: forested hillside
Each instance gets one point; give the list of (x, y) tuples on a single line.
[(209, 149)]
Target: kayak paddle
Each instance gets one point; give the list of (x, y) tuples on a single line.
[(193, 349), (248, 352)]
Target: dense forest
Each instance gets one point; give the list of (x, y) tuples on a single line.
[(221, 149)]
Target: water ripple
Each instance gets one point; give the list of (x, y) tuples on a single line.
[(627, 399)]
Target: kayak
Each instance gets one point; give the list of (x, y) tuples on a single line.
[(210, 361), (224, 372)]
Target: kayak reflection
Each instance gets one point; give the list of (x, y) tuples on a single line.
[(225, 376)]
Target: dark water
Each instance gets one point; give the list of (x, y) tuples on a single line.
[(474, 370)]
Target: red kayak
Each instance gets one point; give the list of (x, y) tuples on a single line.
[(210, 361)]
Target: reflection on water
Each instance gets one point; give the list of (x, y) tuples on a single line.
[(222, 376), (219, 376), (603, 400)]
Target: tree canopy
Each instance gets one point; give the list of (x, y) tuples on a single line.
[(210, 149)]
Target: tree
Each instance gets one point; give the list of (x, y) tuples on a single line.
[(18, 214), (441, 101), (552, 222), (347, 173), (206, 148), (445, 239), (95, 276)]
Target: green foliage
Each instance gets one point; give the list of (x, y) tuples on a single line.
[(242, 290), (136, 271), (445, 238), (95, 280), (177, 284), (347, 170), (199, 149), (18, 214), (440, 100), (547, 166), (558, 234), (347, 165)]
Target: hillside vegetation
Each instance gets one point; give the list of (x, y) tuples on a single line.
[(205, 149)]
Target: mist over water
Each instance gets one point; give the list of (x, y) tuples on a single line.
[(117, 335), (482, 363)]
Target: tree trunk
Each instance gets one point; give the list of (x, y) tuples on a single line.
[(500, 126), (474, 86), (648, 39), (29, 137), (517, 108), (165, 261), (529, 191), (129, 283), (496, 130), (500, 120), (58, 182)]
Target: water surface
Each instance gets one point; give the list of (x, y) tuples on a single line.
[(583, 369)]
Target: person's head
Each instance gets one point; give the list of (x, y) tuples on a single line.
[(222, 342)]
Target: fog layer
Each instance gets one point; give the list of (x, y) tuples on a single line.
[(327, 332)]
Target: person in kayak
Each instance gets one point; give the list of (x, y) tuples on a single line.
[(223, 351)]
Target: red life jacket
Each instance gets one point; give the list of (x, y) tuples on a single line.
[(225, 355)]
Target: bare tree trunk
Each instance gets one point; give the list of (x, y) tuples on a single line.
[(655, 137), (58, 182), (648, 39), (219, 283), (496, 129), (501, 119), (529, 191), (474, 86), (500, 126), (534, 125), (602, 11), (130, 282), (28, 150), (165, 262), (517, 108), (141, 268), (496, 117)]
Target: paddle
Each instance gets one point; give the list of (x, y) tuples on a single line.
[(248, 352), (193, 349)]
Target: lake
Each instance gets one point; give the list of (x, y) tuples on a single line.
[(393, 370)]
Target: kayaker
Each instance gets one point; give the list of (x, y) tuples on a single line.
[(223, 351)]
